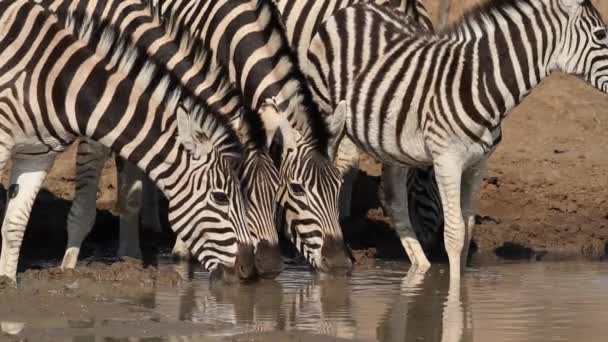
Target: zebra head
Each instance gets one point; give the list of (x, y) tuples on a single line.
[(207, 208), (308, 193), (259, 182), (583, 50)]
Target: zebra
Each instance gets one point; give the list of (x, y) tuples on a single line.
[(248, 37), (302, 18), (57, 85), (257, 173), (425, 212), (444, 95)]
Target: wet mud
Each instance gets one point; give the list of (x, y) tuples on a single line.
[(126, 270)]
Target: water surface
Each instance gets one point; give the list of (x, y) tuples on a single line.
[(506, 302)]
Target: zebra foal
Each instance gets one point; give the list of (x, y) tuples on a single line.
[(439, 99), (57, 85)]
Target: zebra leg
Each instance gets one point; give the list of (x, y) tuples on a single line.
[(394, 181), (150, 219), (448, 173), (471, 185), (90, 158), (26, 179), (130, 194)]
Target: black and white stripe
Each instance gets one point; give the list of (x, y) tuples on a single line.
[(55, 87), (302, 18), (439, 99), (208, 81), (249, 38)]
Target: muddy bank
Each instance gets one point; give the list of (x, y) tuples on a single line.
[(126, 270)]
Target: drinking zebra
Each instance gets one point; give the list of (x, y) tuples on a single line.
[(249, 38), (208, 81), (57, 85), (425, 212), (439, 99)]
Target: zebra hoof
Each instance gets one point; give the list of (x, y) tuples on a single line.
[(70, 258)]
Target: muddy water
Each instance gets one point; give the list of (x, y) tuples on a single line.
[(507, 302)]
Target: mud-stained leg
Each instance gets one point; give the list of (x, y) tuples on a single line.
[(27, 175), (394, 198), (129, 203), (448, 173), (472, 179), (90, 160)]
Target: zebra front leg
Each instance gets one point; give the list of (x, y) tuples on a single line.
[(448, 173), (394, 186), (471, 185), (130, 195), (90, 159), (26, 179)]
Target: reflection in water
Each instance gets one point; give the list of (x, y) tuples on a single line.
[(374, 305), (513, 302)]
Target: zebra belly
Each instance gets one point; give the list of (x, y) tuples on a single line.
[(385, 142), (415, 154)]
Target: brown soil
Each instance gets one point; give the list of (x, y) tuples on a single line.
[(127, 271)]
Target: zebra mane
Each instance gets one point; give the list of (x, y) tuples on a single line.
[(124, 55), (479, 13), (317, 126), (191, 45)]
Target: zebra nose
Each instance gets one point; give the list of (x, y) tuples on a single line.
[(245, 265), (268, 259), (334, 257)]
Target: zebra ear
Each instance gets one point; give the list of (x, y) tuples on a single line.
[(191, 136), (270, 114), (336, 124)]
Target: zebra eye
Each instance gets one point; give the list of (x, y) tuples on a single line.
[(219, 198), (600, 34), (296, 189)]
